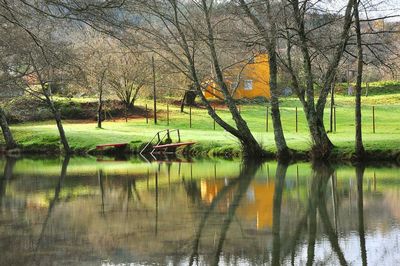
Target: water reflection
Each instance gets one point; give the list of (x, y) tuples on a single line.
[(52, 204), (200, 213), (360, 206)]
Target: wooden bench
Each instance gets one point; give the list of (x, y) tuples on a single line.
[(115, 145)]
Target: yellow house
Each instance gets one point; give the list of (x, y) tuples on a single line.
[(256, 206), (246, 80)]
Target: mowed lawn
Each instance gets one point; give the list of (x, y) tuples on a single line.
[(85, 136)]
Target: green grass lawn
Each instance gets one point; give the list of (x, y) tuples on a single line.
[(85, 136)]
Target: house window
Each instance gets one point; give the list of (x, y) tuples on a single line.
[(248, 84)]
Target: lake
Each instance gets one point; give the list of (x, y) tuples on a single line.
[(90, 211)]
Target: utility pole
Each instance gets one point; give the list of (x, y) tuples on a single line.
[(154, 90)]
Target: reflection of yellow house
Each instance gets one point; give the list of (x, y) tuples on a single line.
[(256, 205), (246, 80)]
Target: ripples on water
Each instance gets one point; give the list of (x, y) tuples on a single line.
[(80, 211)]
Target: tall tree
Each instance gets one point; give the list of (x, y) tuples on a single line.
[(185, 35), (10, 48), (96, 63), (129, 73), (359, 143), (45, 78), (268, 33), (299, 34)]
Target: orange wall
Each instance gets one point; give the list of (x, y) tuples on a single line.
[(258, 72), (255, 207)]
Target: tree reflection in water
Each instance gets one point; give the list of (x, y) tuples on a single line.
[(248, 170), (360, 206), (276, 241), (205, 219), (7, 176), (52, 203), (315, 212)]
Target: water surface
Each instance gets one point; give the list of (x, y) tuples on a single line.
[(83, 211)]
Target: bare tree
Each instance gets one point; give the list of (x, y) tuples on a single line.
[(185, 35), (359, 143), (10, 47), (129, 73), (5, 81), (299, 34), (41, 89), (96, 63), (267, 30)]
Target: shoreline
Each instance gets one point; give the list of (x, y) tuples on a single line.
[(202, 150)]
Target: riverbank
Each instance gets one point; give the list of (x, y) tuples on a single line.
[(381, 130), (42, 138)]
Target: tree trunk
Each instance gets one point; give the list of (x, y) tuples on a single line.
[(359, 143), (57, 117), (270, 42), (183, 102), (100, 109), (280, 141), (63, 137), (8, 137), (190, 99), (250, 146), (321, 144)]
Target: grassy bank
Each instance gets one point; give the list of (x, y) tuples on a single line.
[(84, 136)]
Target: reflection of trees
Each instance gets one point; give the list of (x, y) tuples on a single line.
[(101, 184), (322, 174), (7, 175), (53, 201), (276, 242), (360, 206), (317, 205), (242, 183), (332, 235)]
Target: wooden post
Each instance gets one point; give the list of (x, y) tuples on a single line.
[(126, 114), (179, 135), (167, 114), (190, 116), (297, 121), (147, 115), (334, 119), (266, 119), (168, 135), (214, 119), (373, 119), (158, 136), (154, 91)]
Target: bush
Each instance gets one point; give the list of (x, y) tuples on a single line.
[(73, 110)]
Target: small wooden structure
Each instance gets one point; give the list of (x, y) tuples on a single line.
[(115, 145), (164, 143), (171, 146)]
